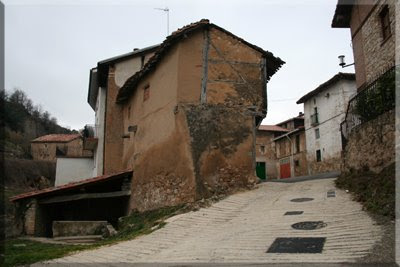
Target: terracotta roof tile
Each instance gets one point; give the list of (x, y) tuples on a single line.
[(273, 63), (272, 128), (69, 186), (55, 138)]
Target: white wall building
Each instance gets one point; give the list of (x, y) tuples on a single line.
[(324, 110)]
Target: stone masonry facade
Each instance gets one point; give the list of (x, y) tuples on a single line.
[(371, 144)]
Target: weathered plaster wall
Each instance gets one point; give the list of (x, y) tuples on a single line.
[(180, 149), (332, 105), (265, 138), (371, 144), (73, 169), (158, 150), (113, 145), (234, 75), (190, 61), (222, 141), (114, 125)]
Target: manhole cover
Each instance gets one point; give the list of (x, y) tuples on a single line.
[(297, 245), (311, 225), (331, 193), (303, 199), (294, 212)]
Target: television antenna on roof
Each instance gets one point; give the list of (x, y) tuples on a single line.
[(166, 9)]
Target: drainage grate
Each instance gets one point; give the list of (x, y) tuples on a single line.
[(331, 193), (297, 245), (310, 225), (294, 212), (303, 199)]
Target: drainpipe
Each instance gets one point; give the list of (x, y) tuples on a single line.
[(291, 156)]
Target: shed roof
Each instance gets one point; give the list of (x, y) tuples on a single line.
[(56, 138), (273, 63), (272, 128), (325, 85), (70, 186)]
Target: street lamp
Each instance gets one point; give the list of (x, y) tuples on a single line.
[(342, 63)]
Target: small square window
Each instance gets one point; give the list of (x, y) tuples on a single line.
[(296, 163), (318, 155), (262, 149), (146, 93), (316, 133)]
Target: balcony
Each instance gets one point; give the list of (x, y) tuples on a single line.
[(314, 119), (373, 100)]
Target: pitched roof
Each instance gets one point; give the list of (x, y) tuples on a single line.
[(56, 138), (342, 16), (299, 129), (272, 128), (300, 117), (273, 63), (325, 85), (70, 186)]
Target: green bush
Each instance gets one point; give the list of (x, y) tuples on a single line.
[(375, 190)]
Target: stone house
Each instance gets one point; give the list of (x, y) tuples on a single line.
[(324, 109), (369, 126), (48, 147), (265, 150), (188, 117), (175, 123), (290, 149)]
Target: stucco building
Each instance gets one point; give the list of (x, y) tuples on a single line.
[(324, 110), (265, 151), (291, 149), (369, 126)]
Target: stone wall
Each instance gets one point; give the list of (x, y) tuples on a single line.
[(372, 53), (371, 144)]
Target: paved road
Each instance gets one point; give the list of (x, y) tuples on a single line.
[(243, 226)]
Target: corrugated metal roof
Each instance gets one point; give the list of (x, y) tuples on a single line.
[(273, 63), (272, 128), (56, 138), (69, 186)]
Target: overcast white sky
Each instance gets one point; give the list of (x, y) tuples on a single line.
[(50, 46)]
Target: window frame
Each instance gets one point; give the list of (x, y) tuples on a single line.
[(317, 134)]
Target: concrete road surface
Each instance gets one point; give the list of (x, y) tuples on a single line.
[(242, 228)]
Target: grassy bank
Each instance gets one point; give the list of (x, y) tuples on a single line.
[(22, 252), (375, 190)]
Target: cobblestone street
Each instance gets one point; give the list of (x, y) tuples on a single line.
[(242, 228)]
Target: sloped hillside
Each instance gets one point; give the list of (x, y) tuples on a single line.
[(21, 122)]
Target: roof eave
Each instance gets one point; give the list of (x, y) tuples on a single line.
[(342, 16), (133, 81)]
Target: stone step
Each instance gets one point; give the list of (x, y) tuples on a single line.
[(79, 239)]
